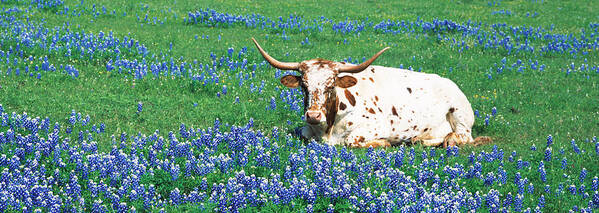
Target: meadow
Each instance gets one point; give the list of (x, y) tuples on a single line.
[(152, 106)]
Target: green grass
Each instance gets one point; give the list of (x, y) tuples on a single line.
[(547, 102)]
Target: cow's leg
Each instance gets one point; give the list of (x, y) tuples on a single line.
[(461, 124), (368, 136), (308, 132), (372, 143), (436, 135)]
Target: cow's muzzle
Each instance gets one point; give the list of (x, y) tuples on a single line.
[(313, 117)]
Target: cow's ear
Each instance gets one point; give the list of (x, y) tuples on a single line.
[(346, 81), (290, 81)]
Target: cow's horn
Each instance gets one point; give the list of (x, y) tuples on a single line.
[(274, 62), (358, 68)]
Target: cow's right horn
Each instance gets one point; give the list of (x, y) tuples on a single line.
[(358, 68), (274, 62)]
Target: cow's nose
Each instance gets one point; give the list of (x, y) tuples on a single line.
[(313, 117)]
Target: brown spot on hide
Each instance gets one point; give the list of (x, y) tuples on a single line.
[(371, 111), (346, 81), (303, 66), (414, 127), (371, 79), (376, 98), (380, 109), (322, 63), (394, 111), (350, 97), (342, 106), (350, 123), (315, 96), (451, 110), (290, 81), (372, 70), (391, 121), (331, 104), (408, 129), (360, 139), (425, 129), (409, 90)]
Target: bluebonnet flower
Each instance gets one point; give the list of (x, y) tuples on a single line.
[(541, 203), (519, 164), (583, 175), (330, 209), (175, 196), (309, 208), (139, 107), (98, 207), (542, 172), (518, 202), (582, 189), (548, 154), (549, 140), (273, 103), (72, 120), (512, 156), (489, 179), (572, 189), (575, 147), (564, 163), (531, 188)]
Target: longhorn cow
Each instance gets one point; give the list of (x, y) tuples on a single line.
[(363, 105)]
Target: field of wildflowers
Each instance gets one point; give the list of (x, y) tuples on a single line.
[(127, 106)]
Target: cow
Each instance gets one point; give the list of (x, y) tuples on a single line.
[(373, 106)]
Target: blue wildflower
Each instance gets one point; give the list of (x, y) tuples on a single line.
[(139, 107), (583, 175), (548, 154)]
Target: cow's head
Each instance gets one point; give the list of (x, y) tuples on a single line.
[(318, 79)]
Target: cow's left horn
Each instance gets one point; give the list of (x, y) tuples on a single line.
[(274, 62), (358, 68)]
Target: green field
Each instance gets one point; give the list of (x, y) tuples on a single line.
[(535, 62)]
